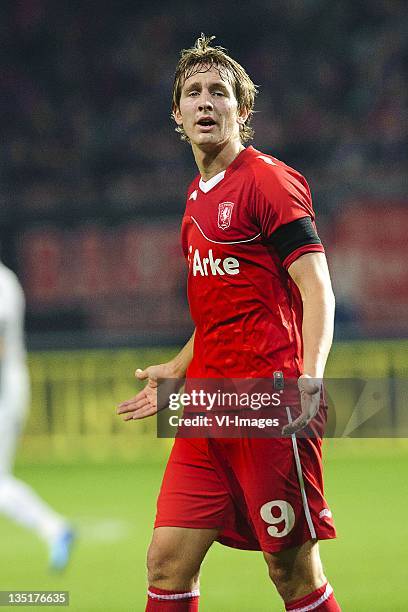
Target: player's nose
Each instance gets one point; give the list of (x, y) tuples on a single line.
[(204, 103)]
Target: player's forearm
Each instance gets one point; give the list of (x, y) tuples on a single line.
[(318, 326), (181, 361), (311, 275)]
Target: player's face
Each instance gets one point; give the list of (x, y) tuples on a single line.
[(208, 110)]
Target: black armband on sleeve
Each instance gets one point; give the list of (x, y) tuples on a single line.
[(291, 236)]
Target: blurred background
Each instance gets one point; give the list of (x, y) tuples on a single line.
[(93, 178), (92, 191)]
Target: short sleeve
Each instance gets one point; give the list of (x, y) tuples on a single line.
[(284, 213), (283, 196)]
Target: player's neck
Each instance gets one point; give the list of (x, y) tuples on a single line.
[(213, 161)]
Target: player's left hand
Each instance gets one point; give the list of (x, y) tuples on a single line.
[(309, 389)]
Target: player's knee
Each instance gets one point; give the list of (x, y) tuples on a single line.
[(289, 585), (157, 566), (291, 574), (166, 566), (282, 577)]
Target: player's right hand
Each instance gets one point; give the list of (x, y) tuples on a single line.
[(145, 403)]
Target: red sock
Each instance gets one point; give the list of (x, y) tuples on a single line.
[(160, 600), (321, 600)]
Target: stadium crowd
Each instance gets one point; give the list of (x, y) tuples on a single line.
[(85, 98), (90, 163)]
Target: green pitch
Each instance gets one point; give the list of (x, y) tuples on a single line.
[(112, 506)]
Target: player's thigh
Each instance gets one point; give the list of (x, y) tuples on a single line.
[(284, 499), (10, 431), (192, 494), (179, 549), (298, 564)]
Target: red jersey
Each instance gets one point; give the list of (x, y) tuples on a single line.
[(241, 231), (240, 234)]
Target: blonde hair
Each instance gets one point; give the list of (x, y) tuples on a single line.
[(202, 54)]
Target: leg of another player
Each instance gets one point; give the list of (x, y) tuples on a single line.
[(298, 576), (173, 562), (19, 502)]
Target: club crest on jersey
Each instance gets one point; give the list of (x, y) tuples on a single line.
[(224, 214)]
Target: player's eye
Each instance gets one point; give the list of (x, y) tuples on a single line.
[(218, 93), (192, 94)]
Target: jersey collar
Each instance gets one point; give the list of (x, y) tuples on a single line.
[(206, 186)]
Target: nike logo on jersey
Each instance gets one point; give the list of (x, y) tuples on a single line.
[(210, 266), (193, 195)]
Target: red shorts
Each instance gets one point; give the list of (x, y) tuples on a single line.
[(262, 494)]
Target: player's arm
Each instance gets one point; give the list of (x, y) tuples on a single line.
[(178, 366), (311, 275), (145, 404)]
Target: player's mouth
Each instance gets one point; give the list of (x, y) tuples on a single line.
[(206, 123)]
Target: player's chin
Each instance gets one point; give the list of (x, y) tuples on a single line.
[(208, 140), (206, 137)]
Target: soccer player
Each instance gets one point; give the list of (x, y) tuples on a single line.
[(261, 299), (17, 500)]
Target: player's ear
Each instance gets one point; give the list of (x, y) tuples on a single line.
[(243, 114), (177, 116)]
